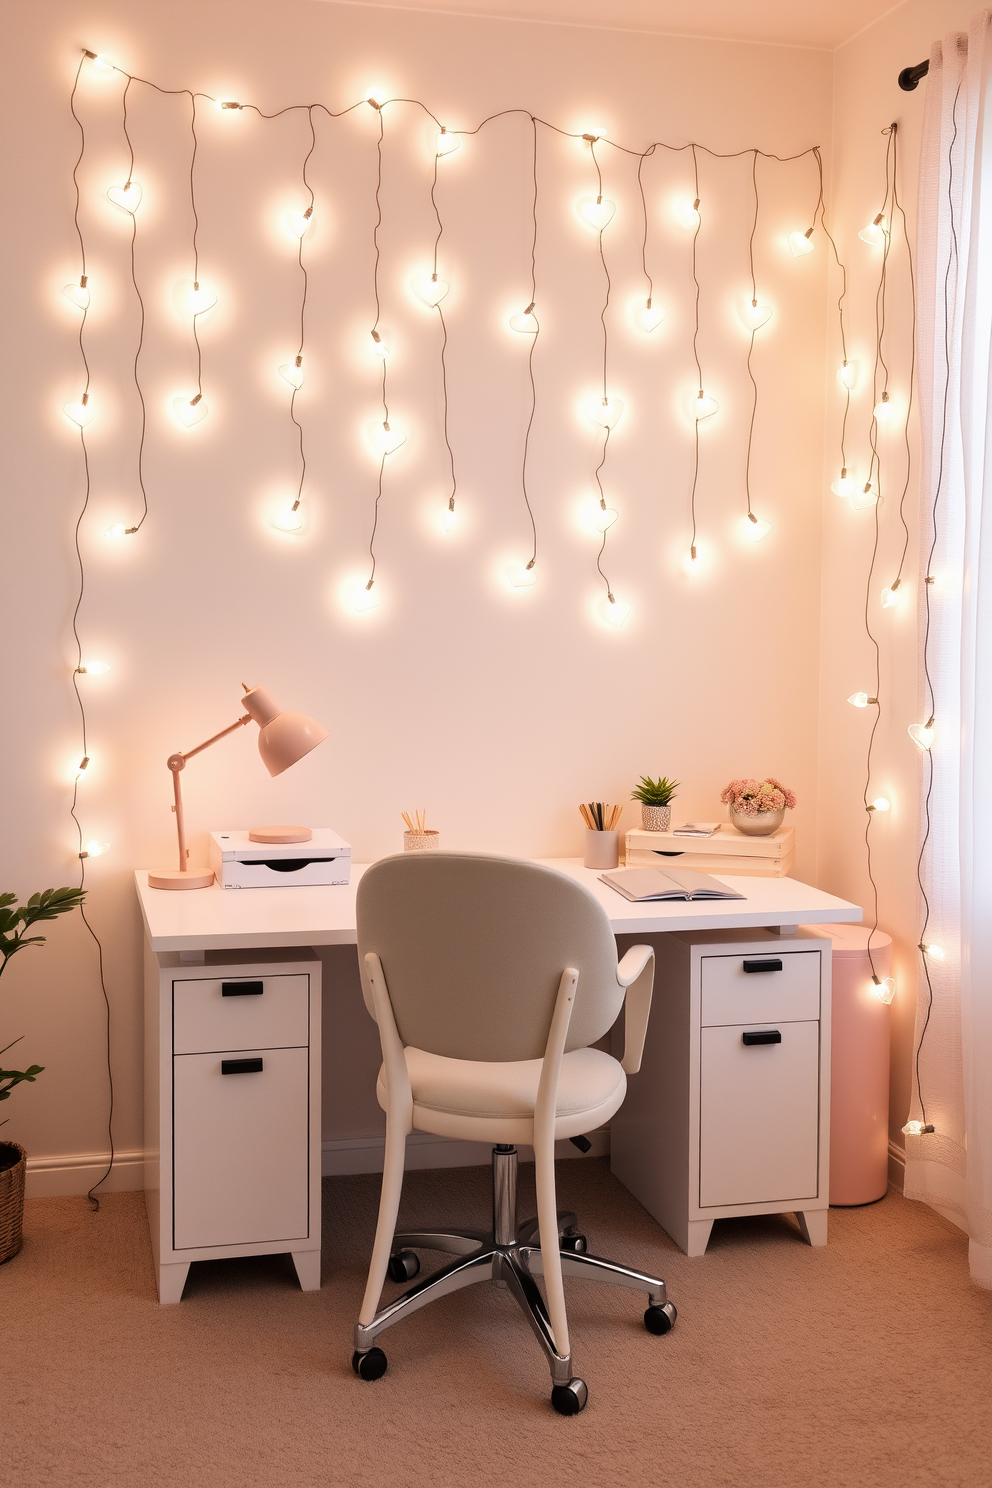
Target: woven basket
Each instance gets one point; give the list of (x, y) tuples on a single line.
[(11, 1198)]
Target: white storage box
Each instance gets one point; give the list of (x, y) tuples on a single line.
[(727, 851), (239, 863)]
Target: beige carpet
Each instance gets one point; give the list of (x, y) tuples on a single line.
[(868, 1362)]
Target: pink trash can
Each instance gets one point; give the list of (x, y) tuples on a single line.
[(859, 1066)]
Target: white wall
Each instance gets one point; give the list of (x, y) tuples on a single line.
[(496, 710)]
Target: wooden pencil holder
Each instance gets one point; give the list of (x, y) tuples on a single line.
[(421, 841), (602, 849)]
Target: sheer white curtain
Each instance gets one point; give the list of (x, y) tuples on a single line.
[(951, 1167)]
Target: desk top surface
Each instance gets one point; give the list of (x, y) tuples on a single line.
[(217, 919)]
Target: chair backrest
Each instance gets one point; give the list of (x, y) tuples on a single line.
[(473, 948)]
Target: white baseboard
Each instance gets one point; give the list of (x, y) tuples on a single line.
[(897, 1166), (76, 1173), (364, 1154)]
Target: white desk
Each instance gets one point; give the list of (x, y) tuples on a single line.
[(218, 919)]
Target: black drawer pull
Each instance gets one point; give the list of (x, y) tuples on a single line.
[(767, 1036), (766, 965), (242, 989), (248, 1066)]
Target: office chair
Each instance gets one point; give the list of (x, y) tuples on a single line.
[(489, 979)]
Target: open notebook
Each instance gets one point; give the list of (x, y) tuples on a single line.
[(641, 884)]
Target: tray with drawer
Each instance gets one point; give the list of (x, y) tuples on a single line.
[(759, 988), (269, 1012)]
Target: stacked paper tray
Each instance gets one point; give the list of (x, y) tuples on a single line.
[(727, 851)]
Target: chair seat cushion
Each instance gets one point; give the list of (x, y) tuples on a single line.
[(589, 1080)]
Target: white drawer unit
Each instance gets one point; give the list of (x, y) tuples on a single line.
[(232, 1110), (729, 1113)]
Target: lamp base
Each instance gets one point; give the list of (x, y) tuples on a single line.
[(280, 834), (178, 878)]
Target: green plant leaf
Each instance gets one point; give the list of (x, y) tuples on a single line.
[(658, 792)]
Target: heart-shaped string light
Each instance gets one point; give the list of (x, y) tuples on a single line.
[(890, 595), (703, 406), (801, 243), (603, 516), (525, 322), (363, 597), (843, 485), (379, 347), (755, 528), (884, 988), (753, 315), (861, 700), (597, 213), (606, 412), (448, 515), (127, 197), (522, 575), (687, 212), (650, 316), (922, 734), (190, 411), (446, 144), (875, 233), (847, 375), (289, 518), (78, 294), (883, 409), (299, 222), (292, 372), (387, 437), (199, 297), (863, 498), (614, 611), (431, 289), (79, 411)]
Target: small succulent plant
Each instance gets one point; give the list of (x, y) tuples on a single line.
[(658, 792)]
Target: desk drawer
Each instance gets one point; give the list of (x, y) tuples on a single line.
[(762, 986), (245, 1012)]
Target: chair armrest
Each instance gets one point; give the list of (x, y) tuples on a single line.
[(636, 973)]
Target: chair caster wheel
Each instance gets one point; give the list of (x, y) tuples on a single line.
[(569, 1399), (660, 1319), (369, 1366), (577, 1244), (403, 1266)]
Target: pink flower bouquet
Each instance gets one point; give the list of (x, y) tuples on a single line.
[(752, 797)]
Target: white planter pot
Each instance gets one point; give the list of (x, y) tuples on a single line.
[(656, 818)]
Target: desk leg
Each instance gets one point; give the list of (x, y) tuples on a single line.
[(171, 1280), (698, 1236), (813, 1224), (307, 1263)]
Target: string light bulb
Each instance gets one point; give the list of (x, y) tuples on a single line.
[(597, 214), (650, 316), (127, 197), (756, 528), (861, 700), (933, 952), (754, 315), (525, 322), (801, 243), (292, 372), (448, 515), (289, 518), (603, 517), (95, 849), (446, 144), (200, 298), (100, 62), (843, 485), (92, 668), (883, 409), (79, 411), (916, 1129), (190, 411), (522, 575), (222, 105), (605, 411), (703, 406), (300, 222), (119, 530), (847, 375), (922, 734), (864, 497), (614, 611), (364, 597), (379, 347), (884, 988), (690, 562), (880, 803), (79, 294), (890, 596), (387, 437), (875, 233), (431, 290), (687, 212)]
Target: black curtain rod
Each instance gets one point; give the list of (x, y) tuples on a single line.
[(910, 77)]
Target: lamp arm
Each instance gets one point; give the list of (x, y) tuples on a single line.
[(176, 763)]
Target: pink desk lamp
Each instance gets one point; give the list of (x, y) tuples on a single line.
[(283, 738)]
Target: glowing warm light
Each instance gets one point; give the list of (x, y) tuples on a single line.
[(921, 735), (890, 596), (95, 849), (119, 530), (861, 700), (884, 988), (199, 298), (883, 409), (75, 771), (801, 243), (222, 104), (916, 1129), (364, 597), (379, 347), (80, 411), (292, 372), (377, 97), (703, 407), (754, 315), (100, 62), (289, 518), (880, 803), (447, 144), (605, 411), (190, 411), (864, 497), (525, 322), (431, 290), (843, 485), (299, 222), (603, 517), (934, 952), (847, 375), (93, 668), (614, 611), (79, 294), (127, 197), (687, 212), (690, 562), (387, 437), (874, 233), (755, 529), (522, 575), (448, 515), (650, 316), (597, 214)]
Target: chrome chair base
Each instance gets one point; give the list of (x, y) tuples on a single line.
[(510, 1254)]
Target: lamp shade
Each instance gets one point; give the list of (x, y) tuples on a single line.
[(283, 737)]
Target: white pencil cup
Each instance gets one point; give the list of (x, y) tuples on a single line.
[(602, 849), (421, 841)]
